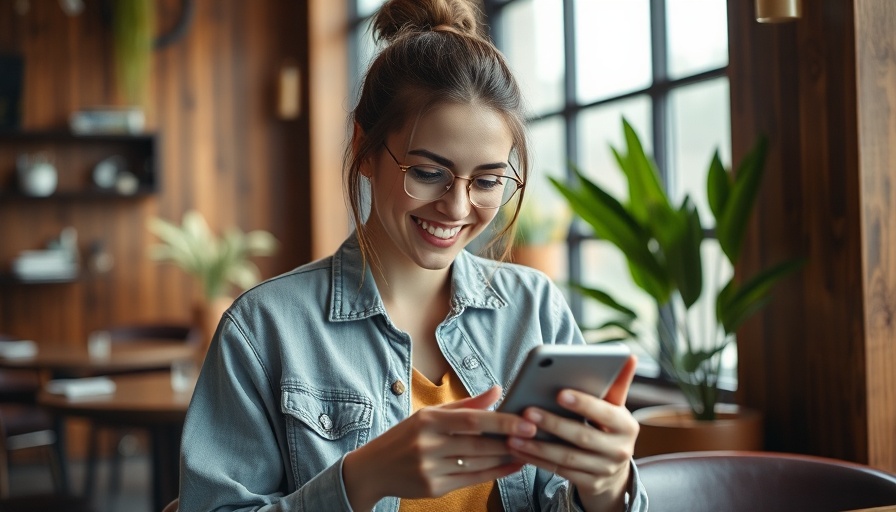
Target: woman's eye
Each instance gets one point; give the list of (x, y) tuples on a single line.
[(488, 181), (426, 174)]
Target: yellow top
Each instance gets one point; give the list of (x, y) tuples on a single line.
[(483, 497)]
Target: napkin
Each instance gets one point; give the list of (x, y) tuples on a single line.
[(18, 348), (76, 388)]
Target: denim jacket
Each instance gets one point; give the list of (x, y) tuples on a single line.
[(307, 367)]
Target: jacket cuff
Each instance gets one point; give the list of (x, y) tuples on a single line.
[(326, 491)]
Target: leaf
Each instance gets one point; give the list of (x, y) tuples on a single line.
[(245, 275), (605, 299), (732, 223), (647, 199), (213, 261), (612, 222), (624, 324), (718, 186), (690, 361), (734, 305), (683, 257), (261, 243)]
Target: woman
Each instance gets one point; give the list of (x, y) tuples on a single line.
[(365, 380)]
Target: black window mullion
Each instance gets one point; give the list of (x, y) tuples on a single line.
[(659, 109), (570, 121), (658, 95)]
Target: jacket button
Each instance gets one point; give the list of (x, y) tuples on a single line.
[(398, 387), (325, 422), (471, 362)]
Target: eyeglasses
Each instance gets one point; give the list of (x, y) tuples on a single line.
[(428, 182)]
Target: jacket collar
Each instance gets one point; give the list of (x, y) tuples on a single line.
[(354, 298)]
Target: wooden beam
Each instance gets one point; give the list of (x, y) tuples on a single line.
[(328, 107), (819, 361)]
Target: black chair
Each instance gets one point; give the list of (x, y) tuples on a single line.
[(770, 482), (45, 503), (119, 335), (25, 425)]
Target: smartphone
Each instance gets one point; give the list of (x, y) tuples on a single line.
[(548, 369)]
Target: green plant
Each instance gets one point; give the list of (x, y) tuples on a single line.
[(133, 23), (541, 222), (216, 262), (661, 244)]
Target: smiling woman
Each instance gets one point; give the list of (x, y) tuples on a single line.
[(402, 202), (366, 379)]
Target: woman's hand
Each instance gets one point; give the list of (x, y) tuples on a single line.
[(598, 462), (436, 450)]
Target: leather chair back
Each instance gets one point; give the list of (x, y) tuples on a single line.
[(767, 481)]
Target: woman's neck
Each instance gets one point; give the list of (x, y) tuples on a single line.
[(405, 282)]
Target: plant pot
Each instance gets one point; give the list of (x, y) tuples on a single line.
[(672, 428), (549, 258), (206, 316)]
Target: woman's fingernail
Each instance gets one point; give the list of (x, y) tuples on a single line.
[(517, 443), (534, 416), (525, 429), (567, 398)]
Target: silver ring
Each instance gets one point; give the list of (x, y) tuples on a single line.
[(460, 462)]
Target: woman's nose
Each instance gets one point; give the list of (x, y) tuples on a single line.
[(456, 202)]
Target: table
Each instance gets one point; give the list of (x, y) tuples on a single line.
[(144, 400), (62, 360), (124, 357)]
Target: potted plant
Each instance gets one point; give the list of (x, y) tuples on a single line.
[(542, 226), (221, 265), (661, 244)]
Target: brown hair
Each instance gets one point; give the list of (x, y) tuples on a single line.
[(437, 53)]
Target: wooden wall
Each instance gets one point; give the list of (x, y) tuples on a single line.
[(876, 89), (223, 151), (820, 362)]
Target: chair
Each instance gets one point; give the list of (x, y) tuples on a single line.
[(46, 502), (127, 334), (24, 425), (172, 507), (771, 482), (176, 332)]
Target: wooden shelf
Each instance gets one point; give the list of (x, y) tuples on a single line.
[(89, 194), (75, 156), (10, 279)]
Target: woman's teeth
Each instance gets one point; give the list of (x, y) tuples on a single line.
[(437, 231)]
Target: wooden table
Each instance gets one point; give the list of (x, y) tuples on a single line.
[(61, 360), (124, 357), (144, 400)]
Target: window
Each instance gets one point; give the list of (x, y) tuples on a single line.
[(583, 65)]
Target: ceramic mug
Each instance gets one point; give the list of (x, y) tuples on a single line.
[(37, 176)]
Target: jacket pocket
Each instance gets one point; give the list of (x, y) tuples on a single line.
[(322, 426)]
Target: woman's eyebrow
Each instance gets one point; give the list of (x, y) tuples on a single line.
[(445, 162)]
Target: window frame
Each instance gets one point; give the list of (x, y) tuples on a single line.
[(659, 92)]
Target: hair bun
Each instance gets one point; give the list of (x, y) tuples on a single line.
[(397, 18)]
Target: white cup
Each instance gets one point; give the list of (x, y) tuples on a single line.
[(99, 345), (183, 375)]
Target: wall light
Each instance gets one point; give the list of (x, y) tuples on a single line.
[(289, 91), (777, 11)]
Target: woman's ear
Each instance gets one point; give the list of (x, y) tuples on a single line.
[(357, 140)]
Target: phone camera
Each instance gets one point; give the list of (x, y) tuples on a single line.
[(544, 363)]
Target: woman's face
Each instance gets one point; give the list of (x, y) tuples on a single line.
[(467, 140)]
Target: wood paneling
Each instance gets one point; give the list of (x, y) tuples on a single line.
[(222, 151), (876, 58), (328, 70), (815, 361)]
